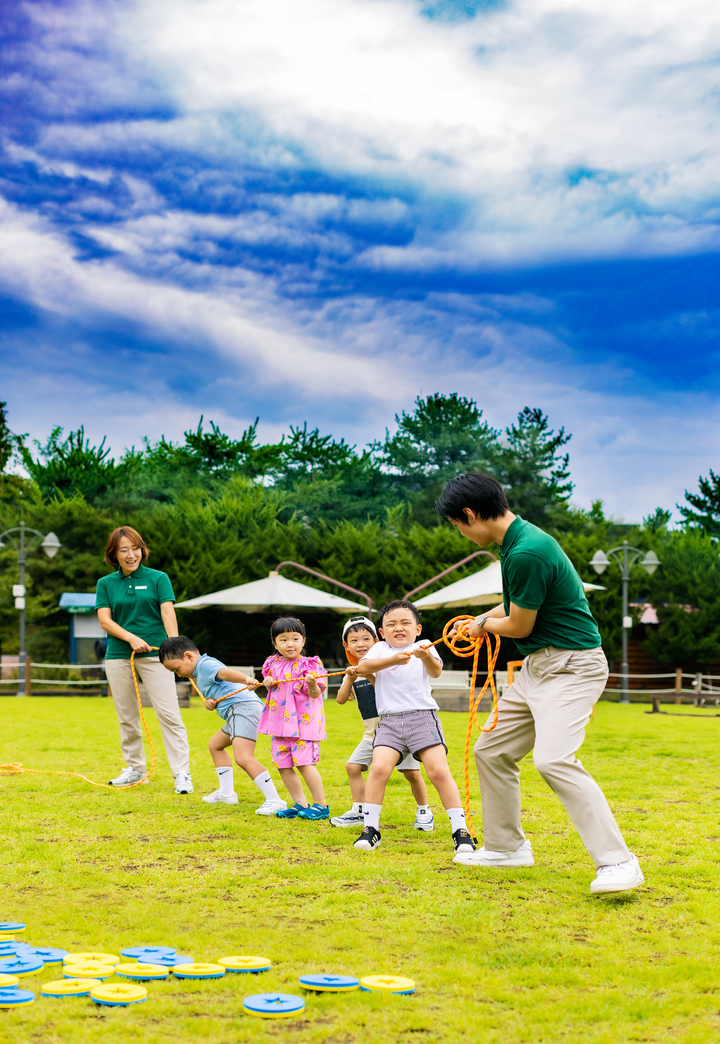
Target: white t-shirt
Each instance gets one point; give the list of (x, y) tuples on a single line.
[(405, 687)]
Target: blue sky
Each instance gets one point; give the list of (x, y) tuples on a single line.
[(318, 210)]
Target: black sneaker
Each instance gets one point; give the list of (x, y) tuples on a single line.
[(462, 842), (369, 839)]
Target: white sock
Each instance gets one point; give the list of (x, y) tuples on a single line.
[(423, 808), (372, 815), (265, 785), (457, 819), (225, 775), (357, 808)]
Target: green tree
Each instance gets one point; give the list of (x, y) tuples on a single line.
[(533, 470), (70, 465), (704, 510)]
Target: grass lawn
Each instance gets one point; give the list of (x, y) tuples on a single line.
[(498, 956)]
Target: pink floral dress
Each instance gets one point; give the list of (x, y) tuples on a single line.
[(289, 710)]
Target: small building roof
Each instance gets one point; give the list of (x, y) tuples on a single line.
[(78, 601)]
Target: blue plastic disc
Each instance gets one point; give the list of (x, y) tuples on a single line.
[(273, 1005), (148, 953), (12, 949), (12, 997), (48, 956), (16, 927), (173, 960), (21, 965), (329, 983)]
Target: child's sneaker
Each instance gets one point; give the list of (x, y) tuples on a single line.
[(290, 813), (271, 807), (217, 798), (369, 839), (315, 811), (424, 820), (462, 842), (349, 818)]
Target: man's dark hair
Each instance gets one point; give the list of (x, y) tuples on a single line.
[(399, 603), (175, 648), (475, 490)]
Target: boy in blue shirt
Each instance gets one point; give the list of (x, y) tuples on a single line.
[(218, 686)]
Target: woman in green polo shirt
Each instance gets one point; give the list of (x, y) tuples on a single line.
[(135, 605)]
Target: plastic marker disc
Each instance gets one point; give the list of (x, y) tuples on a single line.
[(88, 970), (148, 952), (22, 965), (273, 1005), (48, 956), (199, 971), (8, 980), (98, 958), (172, 960), (329, 983), (11, 997), (118, 996), (11, 927), (387, 984), (69, 988), (246, 964), (141, 972), (13, 949)]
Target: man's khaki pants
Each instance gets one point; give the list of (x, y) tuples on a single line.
[(160, 686), (547, 708)]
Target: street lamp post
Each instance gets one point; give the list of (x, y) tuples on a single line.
[(626, 556), (50, 545)]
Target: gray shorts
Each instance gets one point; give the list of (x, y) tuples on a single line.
[(410, 732), (243, 720), (362, 756)]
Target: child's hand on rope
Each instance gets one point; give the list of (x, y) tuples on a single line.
[(253, 685), (351, 671), (270, 683), (312, 685), (402, 657), (423, 653), (210, 704)]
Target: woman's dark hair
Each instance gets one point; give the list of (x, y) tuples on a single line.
[(399, 603), (475, 490), (175, 648), (287, 623), (124, 533)]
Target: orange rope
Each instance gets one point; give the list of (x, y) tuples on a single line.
[(462, 645), (14, 768)]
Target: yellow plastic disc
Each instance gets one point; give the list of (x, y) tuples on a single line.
[(8, 980), (141, 971), (88, 970), (198, 971), (245, 964), (114, 996), (68, 988), (387, 984), (81, 958)]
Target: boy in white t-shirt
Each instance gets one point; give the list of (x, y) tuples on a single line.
[(401, 667)]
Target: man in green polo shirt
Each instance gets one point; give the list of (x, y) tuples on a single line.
[(547, 708)]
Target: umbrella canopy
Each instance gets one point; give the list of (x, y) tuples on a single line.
[(274, 592), (481, 588)]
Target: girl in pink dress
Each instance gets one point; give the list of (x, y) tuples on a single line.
[(295, 717)]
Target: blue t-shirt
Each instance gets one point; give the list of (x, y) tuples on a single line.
[(213, 687)]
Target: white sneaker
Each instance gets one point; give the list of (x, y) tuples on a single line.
[(424, 820), (183, 783), (618, 877), (216, 797), (483, 857), (128, 776), (349, 818), (270, 807)]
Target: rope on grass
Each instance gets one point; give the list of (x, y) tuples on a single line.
[(15, 768)]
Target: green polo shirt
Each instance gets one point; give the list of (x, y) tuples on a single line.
[(134, 602), (537, 574)]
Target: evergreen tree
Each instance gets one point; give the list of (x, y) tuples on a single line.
[(533, 471), (71, 465), (704, 510)]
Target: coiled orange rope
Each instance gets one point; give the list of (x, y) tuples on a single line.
[(14, 768), (462, 645)]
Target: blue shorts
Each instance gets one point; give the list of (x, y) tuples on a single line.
[(242, 720)]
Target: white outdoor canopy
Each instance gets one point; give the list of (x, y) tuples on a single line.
[(274, 592), (481, 588)]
